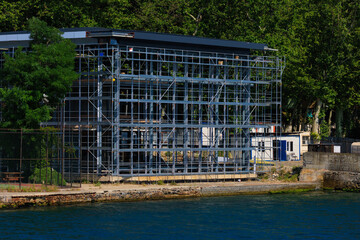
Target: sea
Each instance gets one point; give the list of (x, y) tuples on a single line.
[(311, 215)]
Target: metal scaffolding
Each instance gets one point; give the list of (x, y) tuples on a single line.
[(150, 110)]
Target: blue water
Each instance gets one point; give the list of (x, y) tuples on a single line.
[(315, 215)]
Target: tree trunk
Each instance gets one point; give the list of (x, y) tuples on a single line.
[(303, 123), (315, 125), (339, 117), (329, 121)]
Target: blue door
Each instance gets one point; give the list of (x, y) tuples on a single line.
[(282, 150)]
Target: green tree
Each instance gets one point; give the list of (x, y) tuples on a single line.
[(320, 40), (321, 68), (36, 80)]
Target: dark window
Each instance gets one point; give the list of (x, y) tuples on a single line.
[(261, 146), (305, 140), (290, 146)]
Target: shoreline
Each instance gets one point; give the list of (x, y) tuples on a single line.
[(135, 192)]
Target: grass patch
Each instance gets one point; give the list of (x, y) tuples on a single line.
[(288, 177), (160, 182), (33, 188)]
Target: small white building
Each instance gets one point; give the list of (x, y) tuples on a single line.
[(305, 138), (284, 148)]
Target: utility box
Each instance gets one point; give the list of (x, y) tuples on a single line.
[(355, 147)]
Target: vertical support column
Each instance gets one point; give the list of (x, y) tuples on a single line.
[(246, 116), (63, 142), (116, 113), (88, 111), (151, 116), (174, 124), (237, 130), (276, 103), (21, 156), (132, 129), (80, 156), (159, 133), (146, 133), (200, 128), (225, 134), (99, 116), (151, 132), (79, 114), (186, 120), (216, 97), (210, 128)]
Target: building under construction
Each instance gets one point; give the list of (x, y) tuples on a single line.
[(152, 104)]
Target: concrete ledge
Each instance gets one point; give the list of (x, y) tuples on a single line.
[(18, 200)]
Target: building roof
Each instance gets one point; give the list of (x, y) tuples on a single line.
[(14, 38)]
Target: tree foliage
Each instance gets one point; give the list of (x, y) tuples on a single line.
[(320, 40), (35, 81)]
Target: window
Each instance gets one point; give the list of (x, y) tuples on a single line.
[(261, 146), (290, 146), (305, 140)]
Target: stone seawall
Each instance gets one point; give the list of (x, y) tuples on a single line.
[(18, 200), (333, 170), (342, 180)]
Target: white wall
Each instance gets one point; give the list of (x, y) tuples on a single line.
[(208, 135), (305, 138), (266, 153)]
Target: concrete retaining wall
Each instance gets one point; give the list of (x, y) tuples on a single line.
[(332, 161), (334, 170)]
